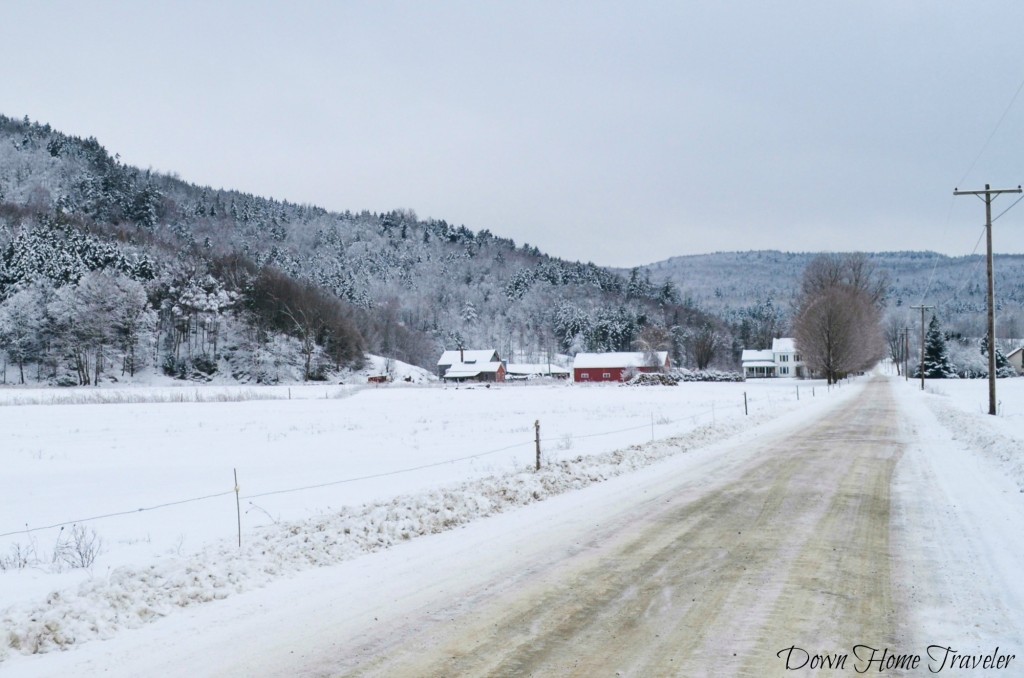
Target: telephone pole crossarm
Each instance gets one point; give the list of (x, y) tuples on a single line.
[(989, 191)]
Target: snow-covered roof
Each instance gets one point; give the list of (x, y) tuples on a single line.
[(634, 359), (783, 345), (758, 363), (1015, 351), (466, 370), (751, 356), (535, 368), (488, 355)]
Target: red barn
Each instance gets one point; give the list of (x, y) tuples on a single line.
[(593, 367)]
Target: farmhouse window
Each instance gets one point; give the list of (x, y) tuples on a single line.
[(584, 375), (606, 375)]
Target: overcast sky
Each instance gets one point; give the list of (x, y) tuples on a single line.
[(620, 133)]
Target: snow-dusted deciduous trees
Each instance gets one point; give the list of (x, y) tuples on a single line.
[(86, 327), (837, 326), (98, 322), (22, 325)]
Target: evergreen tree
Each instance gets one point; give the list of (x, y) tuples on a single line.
[(1003, 367), (936, 355)]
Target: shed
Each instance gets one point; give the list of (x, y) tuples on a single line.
[(532, 370)]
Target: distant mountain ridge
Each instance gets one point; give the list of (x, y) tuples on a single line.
[(724, 282)]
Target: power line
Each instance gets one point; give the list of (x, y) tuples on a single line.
[(984, 146)]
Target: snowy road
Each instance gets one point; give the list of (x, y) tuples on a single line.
[(790, 548), (859, 524)]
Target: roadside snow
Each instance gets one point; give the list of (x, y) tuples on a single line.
[(962, 407), (956, 521)]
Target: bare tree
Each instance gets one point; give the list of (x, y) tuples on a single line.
[(703, 344), (854, 271), (652, 340), (838, 322), (894, 324)]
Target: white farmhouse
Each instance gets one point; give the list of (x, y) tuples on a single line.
[(781, 360)]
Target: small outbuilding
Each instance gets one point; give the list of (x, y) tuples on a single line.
[(534, 370), (598, 367)]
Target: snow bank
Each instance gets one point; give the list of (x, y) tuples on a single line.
[(983, 433)]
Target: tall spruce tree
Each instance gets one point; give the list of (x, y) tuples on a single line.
[(936, 355)]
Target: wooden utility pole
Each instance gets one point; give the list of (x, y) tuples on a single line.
[(906, 353), (988, 193), (923, 308)]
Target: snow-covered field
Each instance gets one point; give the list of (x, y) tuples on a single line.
[(337, 472), (138, 483)]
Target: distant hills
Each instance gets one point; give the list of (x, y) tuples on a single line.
[(726, 282)]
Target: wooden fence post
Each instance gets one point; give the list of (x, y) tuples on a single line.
[(745, 411), (536, 426), (238, 509)]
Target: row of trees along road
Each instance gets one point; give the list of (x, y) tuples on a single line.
[(838, 324)]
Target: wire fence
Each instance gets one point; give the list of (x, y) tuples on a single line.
[(690, 416)]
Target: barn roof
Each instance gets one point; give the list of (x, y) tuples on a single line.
[(488, 355), (624, 360)]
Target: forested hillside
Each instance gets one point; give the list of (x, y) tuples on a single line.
[(106, 269)]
